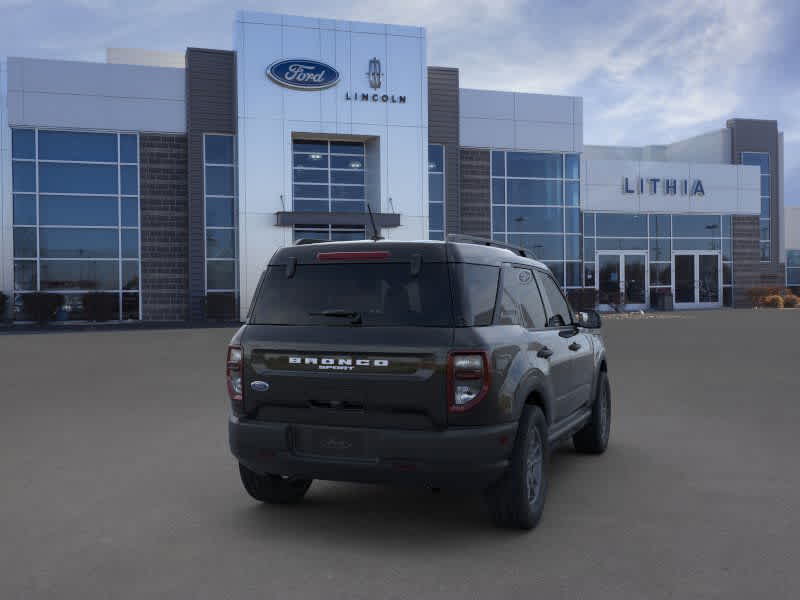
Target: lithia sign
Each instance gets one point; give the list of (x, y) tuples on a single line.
[(667, 186), (306, 74)]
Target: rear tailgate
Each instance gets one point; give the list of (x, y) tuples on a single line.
[(348, 376)]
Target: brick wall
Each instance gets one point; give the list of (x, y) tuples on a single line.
[(443, 128), (165, 227), (746, 266), (475, 198)]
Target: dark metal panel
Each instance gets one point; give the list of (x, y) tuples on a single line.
[(210, 108), (443, 128), (475, 196)]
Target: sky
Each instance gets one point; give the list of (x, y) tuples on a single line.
[(649, 72)]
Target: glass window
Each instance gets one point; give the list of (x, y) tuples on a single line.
[(24, 209), (588, 249), (347, 206), (79, 275), (66, 178), (763, 229), (573, 274), (219, 212), (347, 233), (312, 146), (25, 275), (23, 143), (498, 218), (696, 225), (695, 244), (130, 243), (357, 177), (311, 191), (530, 164), (521, 303), (660, 249), (130, 275), (25, 242), (220, 275), (588, 224), (130, 212), (220, 243), (498, 163), (435, 158), (727, 225), (23, 176), (727, 273), (539, 219), (78, 146), (436, 187), (382, 295), (219, 149), (727, 296), (77, 210), (130, 306), (219, 181), (318, 161), (347, 192), (572, 246), (573, 166), (560, 313), (759, 159), (436, 217), (660, 274), (572, 191), (765, 251), (557, 268), (793, 258), (544, 247), (312, 175), (312, 205), (660, 226), (765, 191), (588, 274), (527, 191), (129, 180), (477, 285), (128, 148), (621, 243), (57, 242), (727, 249), (498, 191), (765, 207), (572, 220), (622, 225), (347, 148)]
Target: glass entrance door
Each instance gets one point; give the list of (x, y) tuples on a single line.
[(622, 280), (697, 279)]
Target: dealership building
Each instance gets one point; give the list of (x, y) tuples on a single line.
[(168, 180)]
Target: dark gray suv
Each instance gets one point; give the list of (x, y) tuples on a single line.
[(444, 364)]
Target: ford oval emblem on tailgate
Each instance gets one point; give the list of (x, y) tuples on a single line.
[(259, 386)]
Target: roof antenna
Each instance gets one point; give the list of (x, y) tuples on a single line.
[(375, 237)]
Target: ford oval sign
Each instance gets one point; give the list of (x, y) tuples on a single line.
[(303, 74)]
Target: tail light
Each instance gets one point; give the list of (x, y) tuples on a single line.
[(468, 379), (233, 375)]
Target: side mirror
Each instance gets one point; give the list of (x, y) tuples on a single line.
[(590, 319)]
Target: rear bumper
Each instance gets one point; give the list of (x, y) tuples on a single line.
[(462, 457)]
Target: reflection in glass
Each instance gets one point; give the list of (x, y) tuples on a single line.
[(55, 242), (531, 164), (24, 209), (24, 275), (80, 275), (219, 149), (25, 242), (77, 146), (221, 274), (23, 143), (77, 210), (539, 219), (621, 225), (531, 191), (66, 178), (220, 243)]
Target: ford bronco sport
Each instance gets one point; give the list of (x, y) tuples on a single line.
[(455, 363)]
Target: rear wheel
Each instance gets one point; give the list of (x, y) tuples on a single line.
[(593, 438), (517, 500), (273, 489)]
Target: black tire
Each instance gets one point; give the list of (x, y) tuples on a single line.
[(593, 438), (273, 489), (517, 500)]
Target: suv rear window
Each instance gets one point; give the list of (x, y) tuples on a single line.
[(362, 295)]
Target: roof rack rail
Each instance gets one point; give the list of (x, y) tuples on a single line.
[(306, 241), (471, 239)]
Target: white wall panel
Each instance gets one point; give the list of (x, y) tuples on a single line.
[(541, 107), (405, 80), (363, 47), (540, 135), (486, 133), (486, 104)]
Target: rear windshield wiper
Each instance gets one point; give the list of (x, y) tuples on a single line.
[(354, 316)]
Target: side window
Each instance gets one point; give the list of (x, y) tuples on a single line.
[(477, 289), (561, 315), (521, 303)]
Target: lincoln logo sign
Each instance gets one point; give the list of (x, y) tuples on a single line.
[(669, 187), (301, 74)]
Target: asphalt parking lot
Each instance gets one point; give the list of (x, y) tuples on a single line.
[(117, 482)]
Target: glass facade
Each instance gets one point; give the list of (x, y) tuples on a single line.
[(761, 160), (436, 192), (536, 205), (793, 268), (659, 235), (221, 222), (328, 176), (76, 219)]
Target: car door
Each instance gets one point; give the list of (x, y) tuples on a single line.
[(576, 344)]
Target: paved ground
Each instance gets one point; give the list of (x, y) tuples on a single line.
[(116, 482)]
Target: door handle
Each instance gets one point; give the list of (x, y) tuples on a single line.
[(574, 346), (544, 352)]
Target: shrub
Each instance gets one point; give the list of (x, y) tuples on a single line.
[(99, 306), (3, 306), (41, 306), (773, 301), (790, 300)]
